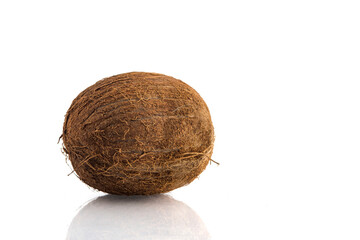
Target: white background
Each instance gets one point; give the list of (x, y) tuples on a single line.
[(281, 79)]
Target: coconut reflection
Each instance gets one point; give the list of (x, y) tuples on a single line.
[(136, 217)]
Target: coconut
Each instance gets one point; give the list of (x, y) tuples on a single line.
[(138, 133)]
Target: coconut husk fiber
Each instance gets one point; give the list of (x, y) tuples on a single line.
[(138, 133)]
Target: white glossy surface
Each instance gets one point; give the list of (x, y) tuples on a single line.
[(139, 217)]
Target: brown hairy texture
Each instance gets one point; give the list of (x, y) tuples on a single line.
[(138, 133)]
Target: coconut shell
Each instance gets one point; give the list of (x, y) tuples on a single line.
[(138, 133)]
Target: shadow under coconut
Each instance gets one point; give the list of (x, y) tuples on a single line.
[(136, 217)]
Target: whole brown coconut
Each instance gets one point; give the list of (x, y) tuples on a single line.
[(138, 133)]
